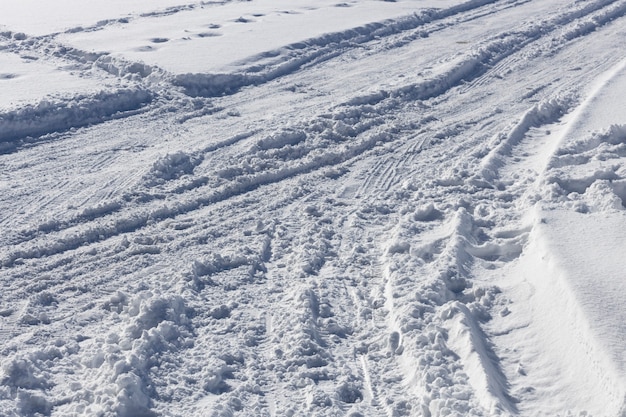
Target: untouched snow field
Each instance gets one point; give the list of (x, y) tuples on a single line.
[(313, 208)]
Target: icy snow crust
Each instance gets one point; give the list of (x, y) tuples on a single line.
[(369, 208)]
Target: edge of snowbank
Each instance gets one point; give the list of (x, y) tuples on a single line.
[(567, 334), (56, 116)]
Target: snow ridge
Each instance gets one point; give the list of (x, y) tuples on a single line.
[(49, 117)]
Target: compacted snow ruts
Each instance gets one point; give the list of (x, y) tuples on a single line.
[(365, 208)]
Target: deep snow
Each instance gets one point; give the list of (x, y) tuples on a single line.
[(364, 208)]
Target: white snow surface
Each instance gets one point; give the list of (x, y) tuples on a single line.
[(222, 36), (312, 208)]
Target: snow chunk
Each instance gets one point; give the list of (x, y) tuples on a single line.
[(172, 166)]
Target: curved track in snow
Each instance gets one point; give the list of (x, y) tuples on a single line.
[(373, 221)]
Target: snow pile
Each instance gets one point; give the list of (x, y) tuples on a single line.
[(172, 166), (573, 258), (437, 311), (57, 116), (117, 367), (24, 381), (157, 328)]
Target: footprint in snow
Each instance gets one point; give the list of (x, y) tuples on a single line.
[(159, 40), (208, 34)]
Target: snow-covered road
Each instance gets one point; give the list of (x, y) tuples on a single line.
[(278, 208)]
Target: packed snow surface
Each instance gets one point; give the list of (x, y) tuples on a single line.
[(313, 208)]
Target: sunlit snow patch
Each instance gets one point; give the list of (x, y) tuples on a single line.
[(39, 98), (222, 38), (26, 80)]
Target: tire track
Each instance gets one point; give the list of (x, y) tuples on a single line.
[(389, 103), (491, 71), (313, 52)]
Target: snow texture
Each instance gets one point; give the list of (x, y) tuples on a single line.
[(269, 208)]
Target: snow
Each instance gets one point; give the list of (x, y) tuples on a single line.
[(41, 18), (28, 80), (226, 36), (367, 208)]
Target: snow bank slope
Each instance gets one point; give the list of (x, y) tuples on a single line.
[(564, 320), (571, 273), (587, 248), (583, 231), (48, 117)]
